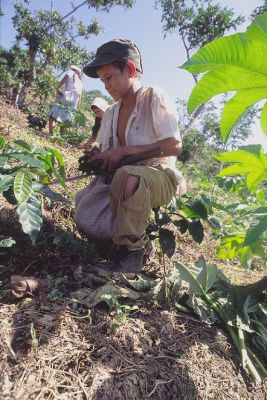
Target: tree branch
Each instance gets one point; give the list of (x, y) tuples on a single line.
[(70, 13), (75, 9)]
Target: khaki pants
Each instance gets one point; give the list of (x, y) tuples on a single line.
[(156, 188)]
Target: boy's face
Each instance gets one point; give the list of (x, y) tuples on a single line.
[(117, 82)]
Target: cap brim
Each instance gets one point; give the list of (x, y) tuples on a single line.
[(90, 69)]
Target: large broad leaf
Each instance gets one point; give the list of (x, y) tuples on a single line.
[(237, 106), (226, 79), (188, 277), (22, 186), (30, 217), (248, 163), (208, 275), (233, 63)]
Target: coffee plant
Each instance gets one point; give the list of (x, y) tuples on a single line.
[(25, 172)]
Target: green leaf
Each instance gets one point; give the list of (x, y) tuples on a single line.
[(264, 119), (256, 229), (258, 249), (6, 182), (60, 160), (8, 242), (2, 141), (167, 241), (205, 200), (237, 106), (256, 149), (188, 277), (23, 145), (199, 207), (3, 160), (59, 178), (196, 231), (28, 160), (233, 63), (208, 274), (48, 192), (237, 50), (227, 79), (214, 223), (22, 186), (256, 211), (253, 166), (182, 225), (30, 217), (194, 209)]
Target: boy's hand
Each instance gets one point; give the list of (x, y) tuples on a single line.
[(110, 159)]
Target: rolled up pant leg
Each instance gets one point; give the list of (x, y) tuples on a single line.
[(156, 187)]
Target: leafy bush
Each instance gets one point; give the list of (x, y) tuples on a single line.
[(25, 172), (182, 215), (72, 132)]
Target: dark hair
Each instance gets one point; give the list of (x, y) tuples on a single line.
[(96, 127), (121, 65), (93, 108)]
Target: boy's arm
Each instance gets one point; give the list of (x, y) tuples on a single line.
[(61, 83), (111, 159)]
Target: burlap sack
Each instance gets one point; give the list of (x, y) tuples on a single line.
[(92, 210)]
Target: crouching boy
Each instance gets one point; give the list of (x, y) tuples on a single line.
[(141, 119)]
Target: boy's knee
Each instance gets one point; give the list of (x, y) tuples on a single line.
[(130, 186), (124, 183)]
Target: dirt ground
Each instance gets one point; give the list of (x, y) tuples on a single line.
[(52, 347)]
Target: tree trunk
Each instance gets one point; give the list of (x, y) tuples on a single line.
[(193, 119), (30, 78)]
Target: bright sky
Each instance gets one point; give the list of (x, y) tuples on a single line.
[(142, 24)]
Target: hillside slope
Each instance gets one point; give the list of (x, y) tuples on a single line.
[(54, 347)]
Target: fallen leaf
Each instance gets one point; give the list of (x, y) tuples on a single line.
[(21, 285)]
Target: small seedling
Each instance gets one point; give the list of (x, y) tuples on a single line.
[(35, 341), (121, 310)]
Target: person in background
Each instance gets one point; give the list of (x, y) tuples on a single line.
[(69, 92), (142, 122), (98, 106)]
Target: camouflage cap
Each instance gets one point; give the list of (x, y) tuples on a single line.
[(114, 50)]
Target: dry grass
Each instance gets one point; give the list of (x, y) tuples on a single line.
[(154, 354)]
